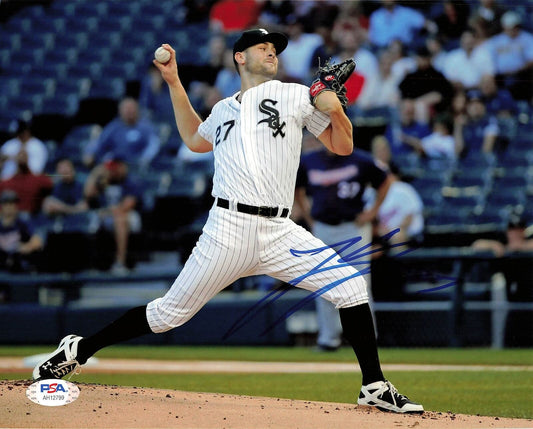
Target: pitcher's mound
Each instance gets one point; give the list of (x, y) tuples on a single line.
[(101, 406)]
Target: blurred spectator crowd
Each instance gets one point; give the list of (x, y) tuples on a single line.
[(90, 150)]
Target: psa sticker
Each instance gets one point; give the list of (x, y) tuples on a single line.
[(53, 393)]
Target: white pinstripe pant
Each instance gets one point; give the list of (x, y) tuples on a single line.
[(234, 245)]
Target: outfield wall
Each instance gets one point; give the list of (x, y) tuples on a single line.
[(42, 308), (421, 324)]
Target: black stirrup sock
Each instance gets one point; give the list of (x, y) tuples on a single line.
[(131, 324), (358, 329)]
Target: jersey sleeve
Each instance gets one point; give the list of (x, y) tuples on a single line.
[(206, 129), (313, 119)]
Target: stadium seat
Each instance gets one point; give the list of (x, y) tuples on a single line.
[(483, 172), (463, 180), (10, 86), (73, 86), (508, 127), (85, 222), (487, 221), (146, 24), (461, 205), (49, 70), (82, 132), (4, 58), (21, 106), (154, 183), (528, 214), (61, 9), (522, 150), (111, 88), (62, 56), (145, 40), (94, 54), (35, 11), (136, 54), (42, 223), (20, 63), (513, 159), (37, 86), (8, 123), (525, 113), (117, 9), (476, 160), (511, 172), (507, 198), (440, 223), (433, 182), (78, 39), (18, 24), (124, 71), (163, 162), (9, 41), (78, 134), (114, 24), (49, 24), (88, 71), (3, 102), (80, 24), (509, 182), (60, 104), (152, 9), (465, 185), (109, 39), (42, 40), (437, 165), (89, 9)]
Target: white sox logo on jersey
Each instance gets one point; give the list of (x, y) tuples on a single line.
[(273, 119)]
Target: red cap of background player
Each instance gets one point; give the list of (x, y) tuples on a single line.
[(113, 164), (260, 35)]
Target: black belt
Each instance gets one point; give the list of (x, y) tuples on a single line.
[(253, 210)]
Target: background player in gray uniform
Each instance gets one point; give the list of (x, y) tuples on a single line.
[(256, 138), (326, 180)]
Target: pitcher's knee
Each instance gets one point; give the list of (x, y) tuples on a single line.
[(347, 294), (164, 318)]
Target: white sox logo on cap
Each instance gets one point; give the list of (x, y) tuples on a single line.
[(260, 35)]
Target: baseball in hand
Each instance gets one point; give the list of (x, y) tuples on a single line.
[(162, 55)]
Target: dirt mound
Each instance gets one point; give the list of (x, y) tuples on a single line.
[(126, 407)]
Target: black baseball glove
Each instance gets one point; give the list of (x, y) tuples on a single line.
[(331, 77)]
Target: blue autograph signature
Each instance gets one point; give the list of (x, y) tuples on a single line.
[(350, 259)]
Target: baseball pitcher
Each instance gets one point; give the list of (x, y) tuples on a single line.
[(256, 138)]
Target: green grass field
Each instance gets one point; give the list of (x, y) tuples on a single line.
[(491, 393)]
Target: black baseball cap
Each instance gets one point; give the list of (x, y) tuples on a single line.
[(260, 35)]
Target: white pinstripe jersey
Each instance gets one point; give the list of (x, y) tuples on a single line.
[(257, 142)]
